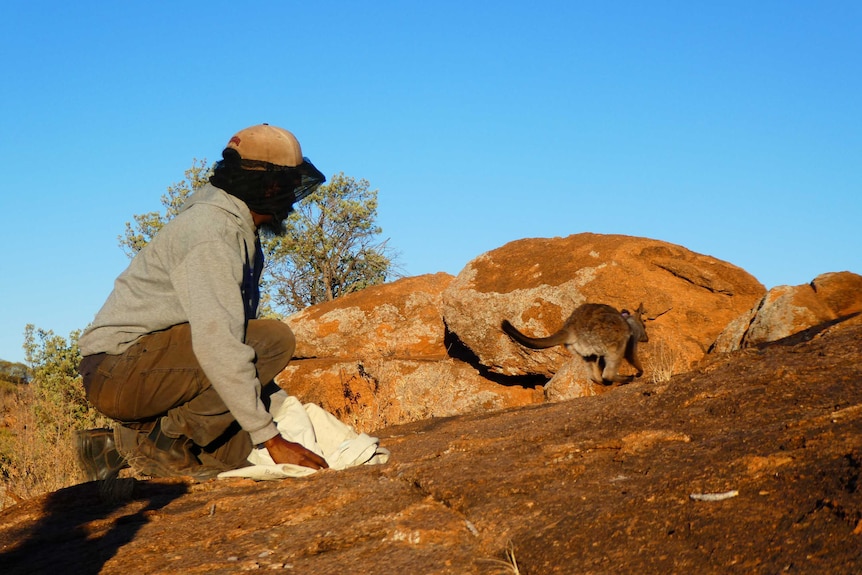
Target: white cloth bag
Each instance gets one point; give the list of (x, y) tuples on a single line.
[(317, 430)]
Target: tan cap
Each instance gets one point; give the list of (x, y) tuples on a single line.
[(265, 143)]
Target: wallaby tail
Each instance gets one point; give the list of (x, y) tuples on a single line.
[(558, 338)]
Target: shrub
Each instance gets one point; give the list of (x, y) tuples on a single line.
[(36, 449)]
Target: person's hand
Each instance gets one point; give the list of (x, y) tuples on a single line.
[(284, 451)]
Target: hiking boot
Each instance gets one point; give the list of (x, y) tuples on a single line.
[(97, 454), (160, 455)]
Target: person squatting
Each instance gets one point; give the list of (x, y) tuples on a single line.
[(176, 355)]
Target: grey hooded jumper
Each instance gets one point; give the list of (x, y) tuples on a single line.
[(202, 268)]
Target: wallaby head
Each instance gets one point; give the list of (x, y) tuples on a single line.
[(636, 323)]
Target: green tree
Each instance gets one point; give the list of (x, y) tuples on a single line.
[(146, 225), (60, 399), (37, 450), (331, 247)]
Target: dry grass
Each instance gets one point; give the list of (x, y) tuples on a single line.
[(664, 362), (33, 461), (509, 565)]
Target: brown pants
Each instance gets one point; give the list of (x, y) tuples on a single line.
[(160, 376)]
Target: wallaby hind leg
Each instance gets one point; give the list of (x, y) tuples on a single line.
[(611, 371), (595, 368), (633, 360)]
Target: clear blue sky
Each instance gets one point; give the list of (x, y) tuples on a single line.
[(731, 128)]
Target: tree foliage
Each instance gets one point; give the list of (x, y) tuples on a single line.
[(147, 225), (37, 449), (59, 391), (331, 247)]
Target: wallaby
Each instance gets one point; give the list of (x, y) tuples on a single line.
[(598, 333)]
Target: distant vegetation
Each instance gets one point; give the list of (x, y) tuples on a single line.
[(39, 416), (13, 373)]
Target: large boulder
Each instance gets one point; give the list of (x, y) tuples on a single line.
[(840, 291), (537, 283), (379, 357), (831, 298), (400, 319)]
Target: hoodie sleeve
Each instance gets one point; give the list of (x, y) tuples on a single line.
[(208, 283)]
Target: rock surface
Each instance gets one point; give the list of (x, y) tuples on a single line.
[(370, 393), (787, 310), (399, 320), (750, 464)]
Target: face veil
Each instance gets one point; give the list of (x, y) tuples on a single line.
[(264, 187)]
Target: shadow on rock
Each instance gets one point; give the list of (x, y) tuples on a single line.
[(81, 527)]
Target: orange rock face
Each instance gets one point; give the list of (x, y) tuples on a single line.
[(788, 310), (399, 319)]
